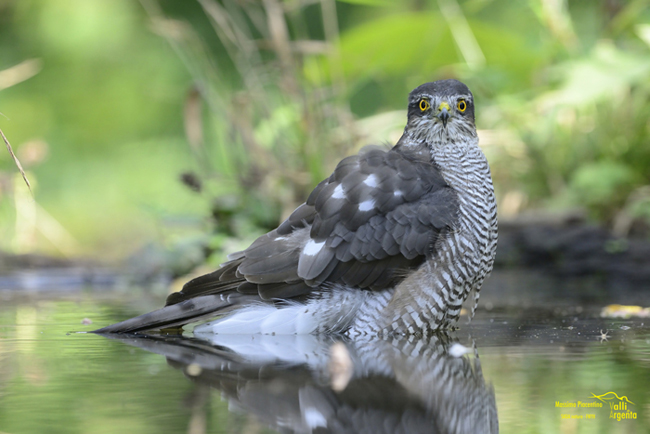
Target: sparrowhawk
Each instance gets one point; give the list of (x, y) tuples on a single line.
[(393, 242)]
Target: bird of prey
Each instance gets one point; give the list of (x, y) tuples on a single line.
[(392, 243)]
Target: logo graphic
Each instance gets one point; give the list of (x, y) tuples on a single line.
[(618, 405)]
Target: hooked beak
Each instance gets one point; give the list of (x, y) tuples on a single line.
[(443, 113)]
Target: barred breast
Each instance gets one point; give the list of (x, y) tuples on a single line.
[(431, 298)]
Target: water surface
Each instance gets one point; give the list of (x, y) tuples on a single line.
[(530, 360)]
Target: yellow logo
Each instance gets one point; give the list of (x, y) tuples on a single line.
[(618, 408)]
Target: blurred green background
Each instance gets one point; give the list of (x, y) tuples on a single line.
[(202, 123)]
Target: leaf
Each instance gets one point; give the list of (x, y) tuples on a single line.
[(643, 32), (417, 45), (623, 311), (605, 74), (408, 44), (601, 182)]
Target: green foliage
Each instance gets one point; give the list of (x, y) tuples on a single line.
[(601, 184), (584, 142), (97, 128), (276, 92)]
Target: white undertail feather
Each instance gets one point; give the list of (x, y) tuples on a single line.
[(264, 319), (331, 311)]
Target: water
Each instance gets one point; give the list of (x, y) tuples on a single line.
[(54, 380)]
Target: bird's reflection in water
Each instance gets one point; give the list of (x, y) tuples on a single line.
[(309, 384)]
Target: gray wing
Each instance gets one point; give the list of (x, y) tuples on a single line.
[(377, 216)]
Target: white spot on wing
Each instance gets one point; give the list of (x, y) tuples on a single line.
[(371, 181), (457, 350), (315, 418), (367, 205), (338, 192), (312, 248), (397, 193)]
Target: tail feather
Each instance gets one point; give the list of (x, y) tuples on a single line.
[(220, 281), (176, 315)]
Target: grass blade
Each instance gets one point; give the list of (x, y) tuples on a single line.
[(20, 167)]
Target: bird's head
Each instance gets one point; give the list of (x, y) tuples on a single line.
[(440, 112)]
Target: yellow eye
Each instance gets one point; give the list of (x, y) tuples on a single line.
[(424, 105), (462, 105)]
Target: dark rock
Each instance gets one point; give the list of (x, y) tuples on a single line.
[(571, 248)]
